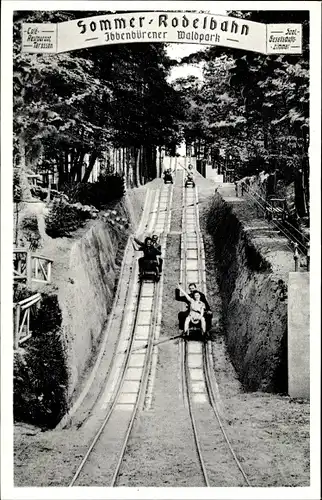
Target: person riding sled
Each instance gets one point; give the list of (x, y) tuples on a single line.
[(196, 311), (168, 175), (156, 244), (183, 314), (150, 252)]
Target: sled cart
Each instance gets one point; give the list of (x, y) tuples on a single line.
[(150, 271), (190, 181), (194, 331), (167, 177)]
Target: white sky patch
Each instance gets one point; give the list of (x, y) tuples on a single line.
[(178, 51), (186, 70)]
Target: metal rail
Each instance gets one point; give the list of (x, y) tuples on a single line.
[(143, 224), (192, 418), (116, 396), (208, 373), (146, 370), (286, 232), (213, 403), (184, 358), (142, 390)]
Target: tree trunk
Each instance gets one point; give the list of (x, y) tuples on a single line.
[(127, 167), (154, 162), (49, 189), (66, 165), (137, 160), (149, 166), (62, 179), (23, 179), (144, 166), (90, 166), (299, 194), (76, 168)]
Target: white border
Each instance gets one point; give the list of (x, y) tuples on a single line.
[(8, 492)]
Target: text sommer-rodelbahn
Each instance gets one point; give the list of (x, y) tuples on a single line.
[(164, 21)]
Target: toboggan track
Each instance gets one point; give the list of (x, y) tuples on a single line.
[(206, 350), (155, 224), (188, 396)]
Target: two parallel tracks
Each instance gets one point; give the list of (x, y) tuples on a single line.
[(198, 386)]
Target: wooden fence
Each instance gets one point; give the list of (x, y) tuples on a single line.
[(21, 319), (29, 267)]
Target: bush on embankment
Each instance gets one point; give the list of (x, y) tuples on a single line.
[(64, 218), (107, 188), (40, 369), (80, 202), (254, 316)]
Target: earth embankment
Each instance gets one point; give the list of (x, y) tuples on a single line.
[(254, 309), (85, 274), (86, 299)]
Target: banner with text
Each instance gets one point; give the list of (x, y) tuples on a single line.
[(169, 27)]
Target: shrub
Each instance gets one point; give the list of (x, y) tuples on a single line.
[(30, 223), (39, 192), (40, 370), (21, 292), (108, 188), (17, 191), (63, 218), (48, 317), (29, 227)]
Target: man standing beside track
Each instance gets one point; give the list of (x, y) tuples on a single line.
[(182, 315)]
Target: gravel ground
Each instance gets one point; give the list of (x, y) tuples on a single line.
[(270, 433), (176, 214)]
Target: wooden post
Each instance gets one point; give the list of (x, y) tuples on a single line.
[(28, 267), (296, 257), (36, 268), (49, 271), (16, 333), (28, 321), (308, 256)]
